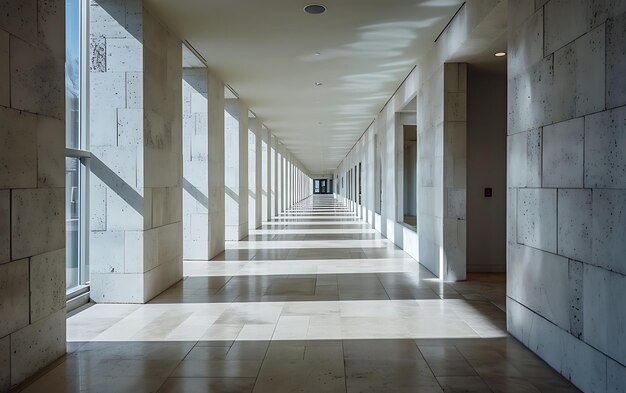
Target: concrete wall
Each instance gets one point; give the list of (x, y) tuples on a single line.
[(32, 187), (567, 187), (136, 140), (439, 82), (486, 153), (410, 179), (385, 130)]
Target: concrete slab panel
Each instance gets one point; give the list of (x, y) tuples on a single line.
[(605, 143), (536, 218), (37, 345), (14, 291), (18, 149), (47, 284), (575, 220), (37, 221), (563, 154)]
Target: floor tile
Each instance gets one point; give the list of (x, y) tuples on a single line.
[(312, 301)]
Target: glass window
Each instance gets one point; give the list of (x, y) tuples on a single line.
[(72, 217), (77, 156), (72, 73)]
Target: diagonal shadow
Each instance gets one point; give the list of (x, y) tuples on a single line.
[(232, 194), (117, 184), (195, 193)]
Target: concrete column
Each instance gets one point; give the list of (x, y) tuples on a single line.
[(298, 184), (195, 164), (273, 167), (258, 174), (289, 183), (454, 172), (279, 178), (283, 179), (32, 188), (442, 249), (265, 174), (292, 188), (136, 168), (236, 169), (252, 169), (216, 168)]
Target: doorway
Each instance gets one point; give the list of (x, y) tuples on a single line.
[(321, 186)]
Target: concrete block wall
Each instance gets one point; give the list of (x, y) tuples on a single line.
[(566, 187), (136, 141), (32, 187)]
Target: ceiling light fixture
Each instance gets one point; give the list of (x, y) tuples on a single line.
[(317, 53), (318, 83), (500, 54), (315, 9)]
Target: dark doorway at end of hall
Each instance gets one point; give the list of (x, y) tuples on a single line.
[(322, 186)]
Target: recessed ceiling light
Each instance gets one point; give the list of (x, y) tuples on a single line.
[(318, 83), (315, 9), (500, 54), (317, 53)]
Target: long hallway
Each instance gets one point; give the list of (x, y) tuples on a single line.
[(314, 301)]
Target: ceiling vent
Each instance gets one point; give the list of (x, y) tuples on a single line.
[(315, 9)]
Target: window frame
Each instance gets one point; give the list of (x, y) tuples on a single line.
[(82, 153)]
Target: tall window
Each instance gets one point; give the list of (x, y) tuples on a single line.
[(76, 154)]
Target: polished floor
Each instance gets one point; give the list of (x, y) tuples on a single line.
[(314, 301)]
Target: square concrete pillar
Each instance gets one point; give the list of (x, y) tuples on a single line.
[(236, 169), (279, 177), (274, 178), (216, 168), (287, 181), (442, 171), (203, 164), (283, 179), (454, 171), (195, 164), (254, 172), (136, 140), (266, 173)]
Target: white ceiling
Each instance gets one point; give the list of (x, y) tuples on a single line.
[(266, 50)]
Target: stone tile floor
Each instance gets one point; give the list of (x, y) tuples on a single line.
[(314, 301)]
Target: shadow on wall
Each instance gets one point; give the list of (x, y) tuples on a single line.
[(198, 83), (128, 18), (195, 193), (117, 184), (232, 194)]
